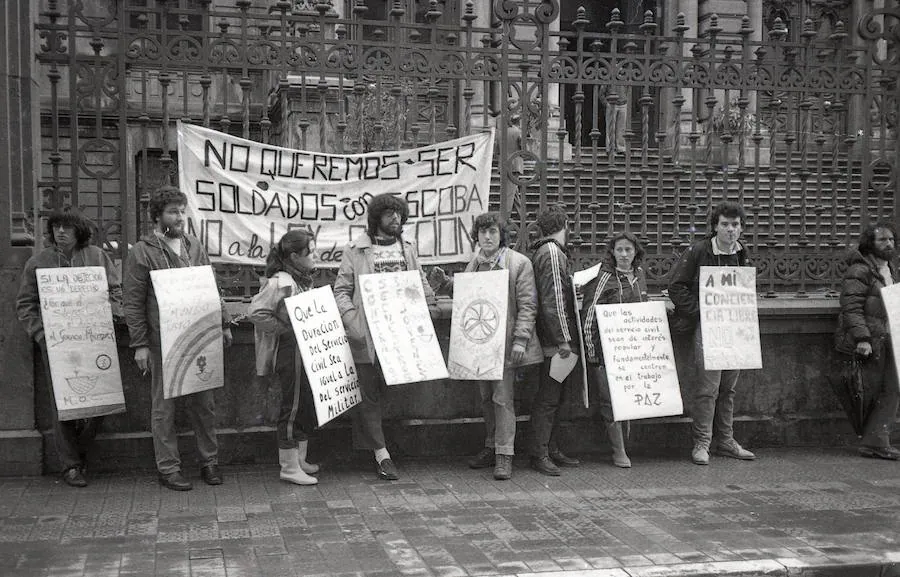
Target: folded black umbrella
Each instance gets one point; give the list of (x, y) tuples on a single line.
[(849, 387)]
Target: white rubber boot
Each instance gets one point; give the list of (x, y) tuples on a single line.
[(290, 468), (308, 468)]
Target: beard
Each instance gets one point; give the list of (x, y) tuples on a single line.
[(884, 253), (388, 233)]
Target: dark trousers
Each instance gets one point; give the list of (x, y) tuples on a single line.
[(72, 439), (297, 413), (367, 431), (880, 379), (597, 375), (545, 412)]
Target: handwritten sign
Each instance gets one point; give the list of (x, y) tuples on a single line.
[(640, 363), (401, 327), (190, 324), (891, 297), (325, 351), (729, 319), (478, 326), (81, 341), (244, 195)]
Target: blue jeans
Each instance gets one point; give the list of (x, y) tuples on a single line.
[(499, 410), (713, 403)]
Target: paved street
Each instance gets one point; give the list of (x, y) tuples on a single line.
[(793, 512)]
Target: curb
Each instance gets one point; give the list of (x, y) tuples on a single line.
[(854, 565)]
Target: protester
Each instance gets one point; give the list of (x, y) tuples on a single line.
[(289, 271), (522, 346), (168, 246), (863, 333), (713, 402), (381, 248), (556, 328), (70, 234), (620, 280)]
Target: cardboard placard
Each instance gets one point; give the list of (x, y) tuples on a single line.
[(190, 326), (400, 324), (81, 341), (729, 318), (478, 325), (640, 362), (325, 351)]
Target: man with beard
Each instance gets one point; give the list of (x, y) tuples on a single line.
[(863, 333), (381, 248), (168, 246), (713, 403), (556, 328)]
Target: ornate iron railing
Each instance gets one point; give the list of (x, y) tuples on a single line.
[(803, 132)]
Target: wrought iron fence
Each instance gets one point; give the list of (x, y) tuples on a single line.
[(802, 131)]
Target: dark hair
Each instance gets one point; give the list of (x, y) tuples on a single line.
[(487, 220), (552, 219), (70, 217), (382, 203), (728, 209), (638, 249), (161, 198), (293, 241), (867, 235)]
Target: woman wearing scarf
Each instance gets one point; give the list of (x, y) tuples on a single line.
[(522, 346), (289, 270)]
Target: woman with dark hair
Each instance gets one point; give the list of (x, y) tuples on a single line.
[(69, 234), (620, 280), (289, 270)]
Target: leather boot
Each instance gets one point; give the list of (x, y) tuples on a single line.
[(290, 468), (619, 457), (308, 468)]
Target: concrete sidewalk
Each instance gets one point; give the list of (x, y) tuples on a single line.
[(793, 512)]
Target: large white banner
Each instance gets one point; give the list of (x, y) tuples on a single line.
[(244, 195), (325, 351), (81, 341), (729, 318), (398, 318), (640, 362), (190, 326), (478, 325)]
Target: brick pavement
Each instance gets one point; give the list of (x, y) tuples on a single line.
[(793, 512)]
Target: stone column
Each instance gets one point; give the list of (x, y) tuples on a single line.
[(20, 443), (555, 112), (480, 113)]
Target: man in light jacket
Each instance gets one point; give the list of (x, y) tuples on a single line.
[(381, 248), (168, 246)]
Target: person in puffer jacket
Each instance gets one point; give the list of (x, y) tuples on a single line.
[(863, 332), (289, 269)]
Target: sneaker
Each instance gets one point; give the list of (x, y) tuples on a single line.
[(563, 460), (484, 459), (888, 453), (387, 470), (175, 481), (545, 466), (211, 475), (732, 449), (503, 468), (700, 455), (74, 477)]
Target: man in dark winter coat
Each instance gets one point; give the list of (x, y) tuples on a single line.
[(863, 332), (556, 326), (713, 403)]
